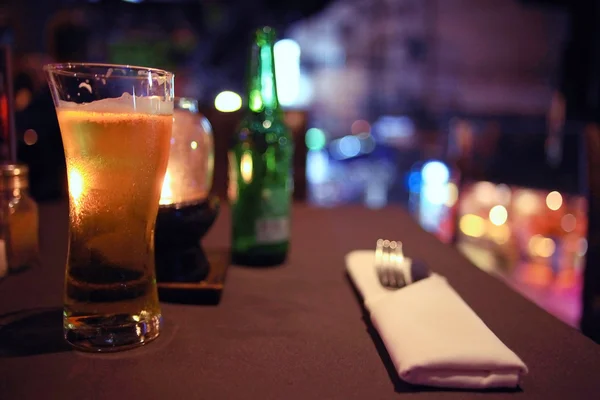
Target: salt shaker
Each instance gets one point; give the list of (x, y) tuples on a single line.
[(19, 236)]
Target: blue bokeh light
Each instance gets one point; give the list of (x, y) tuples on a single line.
[(349, 146), (413, 181), (435, 172)]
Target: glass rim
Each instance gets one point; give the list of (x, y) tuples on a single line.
[(69, 69)]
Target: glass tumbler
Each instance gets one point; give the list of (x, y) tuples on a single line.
[(116, 123)]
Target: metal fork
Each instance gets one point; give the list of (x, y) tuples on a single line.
[(390, 264), (394, 270)]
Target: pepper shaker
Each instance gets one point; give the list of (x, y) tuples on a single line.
[(19, 235)]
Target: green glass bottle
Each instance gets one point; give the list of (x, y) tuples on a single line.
[(260, 166)]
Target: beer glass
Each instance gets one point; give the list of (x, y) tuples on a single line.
[(115, 123)]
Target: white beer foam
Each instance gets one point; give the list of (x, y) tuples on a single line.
[(124, 104)]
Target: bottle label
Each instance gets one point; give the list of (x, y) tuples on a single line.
[(273, 223), (272, 230)]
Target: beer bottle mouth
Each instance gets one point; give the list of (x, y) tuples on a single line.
[(265, 35)]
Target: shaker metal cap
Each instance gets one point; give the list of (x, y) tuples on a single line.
[(13, 176), (9, 170)]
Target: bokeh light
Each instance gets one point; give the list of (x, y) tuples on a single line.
[(317, 166), (246, 167), (287, 71), (30, 137), (360, 126), (485, 193), (554, 200), (349, 146), (498, 215), (315, 139), (541, 246), (228, 101), (413, 181), (472, 225), (435, 194), (568, 222), (546, 247), (435, 172), (583, 246), (367, 143), (526, 203), (452, 195), (499, 234)]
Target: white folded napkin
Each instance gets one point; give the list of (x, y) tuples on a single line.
[(431, 334)]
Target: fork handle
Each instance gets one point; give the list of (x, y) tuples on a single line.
[(419, 270)]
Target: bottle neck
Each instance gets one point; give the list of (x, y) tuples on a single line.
[(262, 86), (9, 195)]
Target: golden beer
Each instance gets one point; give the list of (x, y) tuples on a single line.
[(116, 162)]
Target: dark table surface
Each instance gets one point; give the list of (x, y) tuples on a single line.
[(294, 332)]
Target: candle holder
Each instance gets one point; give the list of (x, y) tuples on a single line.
[(186, 213)]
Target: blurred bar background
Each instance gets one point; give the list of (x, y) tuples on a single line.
[(470, 112)]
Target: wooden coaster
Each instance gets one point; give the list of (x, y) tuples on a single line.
[(206, 291)]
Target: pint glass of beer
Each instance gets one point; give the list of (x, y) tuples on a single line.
[(115, 123)]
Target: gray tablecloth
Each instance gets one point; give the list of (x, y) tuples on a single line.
[(295, 332)]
